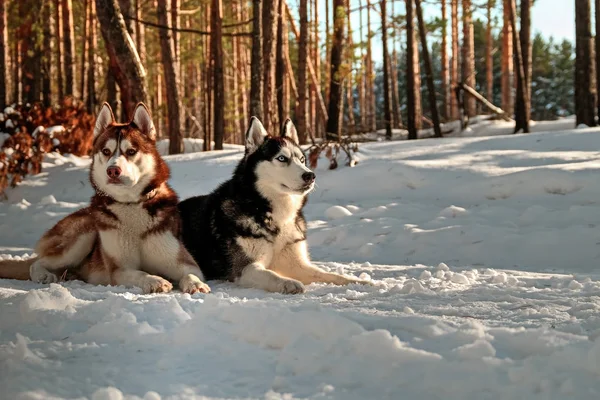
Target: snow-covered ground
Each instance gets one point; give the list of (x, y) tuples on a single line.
[(485, 258)]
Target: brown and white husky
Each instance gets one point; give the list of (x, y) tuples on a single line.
[(130, 233)]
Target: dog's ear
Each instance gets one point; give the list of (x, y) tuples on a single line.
[(103, 120), (143, 121), (288, 130), (255, 136)]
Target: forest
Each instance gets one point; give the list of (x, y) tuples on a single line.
[(337, 68)]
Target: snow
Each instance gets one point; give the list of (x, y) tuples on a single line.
[(483, 253)]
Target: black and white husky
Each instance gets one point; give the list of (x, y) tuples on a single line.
[(251, 229)]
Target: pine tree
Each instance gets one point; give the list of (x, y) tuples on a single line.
[(387, 91), (585, 88), (336, 91), (171, 73)]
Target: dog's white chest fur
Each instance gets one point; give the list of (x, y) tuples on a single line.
[(124, 243), (283, 216)]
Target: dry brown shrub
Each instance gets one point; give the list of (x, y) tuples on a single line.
[(23, 151)]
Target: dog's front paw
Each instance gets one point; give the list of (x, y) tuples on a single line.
[(290, 286), (40, 274), (192, 284), (155, 284)]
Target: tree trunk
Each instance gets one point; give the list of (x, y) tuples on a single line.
[(351, 126), (91, 72), (327, 48), (446, 92), (387, 91), (585, 87), (301, 117), (282, 83), (597, 10), (3, 47), (84, 43), (522, 95), (336, 91), (411, 95), (269, 58), (468, 56), (489, 61), (69, 47), (454, 111), (428, 72), (58, 30), (216, 54), (507, 59), (256, 67), (30, 52), (522, 103), (176, 24), (371, 117), (140, 32), (171, 73), (319, 120), (129, 72)]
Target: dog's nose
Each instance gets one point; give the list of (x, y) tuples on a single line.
[(308, 177), (113, 172)]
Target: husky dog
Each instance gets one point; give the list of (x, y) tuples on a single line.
[(129, 234), (251, 229)]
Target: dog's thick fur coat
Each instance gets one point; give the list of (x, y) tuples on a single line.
[(129, 234), (251, 229)]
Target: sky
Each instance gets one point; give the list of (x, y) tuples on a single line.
[(554, 18)]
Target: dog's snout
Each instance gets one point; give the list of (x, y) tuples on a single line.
[(308, 177), (113, 172)]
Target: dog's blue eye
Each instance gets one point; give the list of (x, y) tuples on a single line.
[(282, 158)]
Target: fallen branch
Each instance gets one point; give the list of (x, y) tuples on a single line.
[(485, 102)]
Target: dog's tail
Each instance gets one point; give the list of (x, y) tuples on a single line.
[(16, 269)]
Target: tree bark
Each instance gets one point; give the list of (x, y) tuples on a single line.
[(371, 117), (171, 73), (140, 32), (351, 126), (129, 72), (269, 58), (489, 61), (301, 111), (428, 72), (84, 43), (46, 55), (454, 111), (468, 56), (522, 103), (30, 53), (387, 91), (319, 120), (411, 95), (336, 91), (507, 59), (176, 24), (256, 67), (446, 92), (585, 87), (91, 100), (396, 115), (216, 53), (3, 47), (597, 43), (69, 47), (522, 95), (282, 82), (58, 30)]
